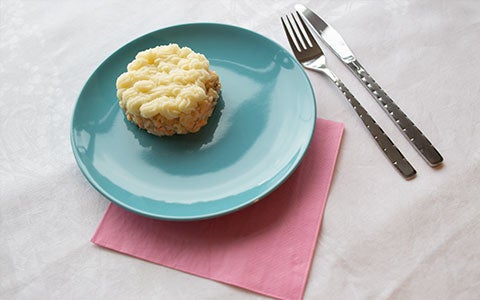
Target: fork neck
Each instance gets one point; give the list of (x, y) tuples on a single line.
[(315, 65)]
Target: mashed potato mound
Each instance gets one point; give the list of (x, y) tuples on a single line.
[(168, 90)]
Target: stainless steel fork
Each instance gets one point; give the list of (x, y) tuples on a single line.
[(311, 56)]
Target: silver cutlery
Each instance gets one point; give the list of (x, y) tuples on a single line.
[(310, 55), (338, 45)]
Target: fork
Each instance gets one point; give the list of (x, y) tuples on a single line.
[(311, 56)]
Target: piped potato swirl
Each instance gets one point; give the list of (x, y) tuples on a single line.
[(168, 90)]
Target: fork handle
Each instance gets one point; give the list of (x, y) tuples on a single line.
[(385, 143), (418, 140)]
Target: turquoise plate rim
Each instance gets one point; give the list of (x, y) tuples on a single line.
[(199, 215)]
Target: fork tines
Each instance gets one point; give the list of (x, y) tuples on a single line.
[(299, 37)]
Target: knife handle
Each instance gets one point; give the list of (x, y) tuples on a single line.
[(385, 143), (406, 126)]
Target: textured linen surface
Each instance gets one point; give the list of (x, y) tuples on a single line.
[(382, 237), (266, 247)]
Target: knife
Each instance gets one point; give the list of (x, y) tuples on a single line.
[(338, 45)]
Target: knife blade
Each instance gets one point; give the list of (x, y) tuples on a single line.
[(337, 44)]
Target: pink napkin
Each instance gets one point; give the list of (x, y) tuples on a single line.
[(266, 248)]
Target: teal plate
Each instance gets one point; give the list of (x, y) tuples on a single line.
[(257, 135)]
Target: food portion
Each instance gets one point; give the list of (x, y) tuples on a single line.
[(168, 90)]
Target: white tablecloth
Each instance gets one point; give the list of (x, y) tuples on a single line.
[(382, 237)]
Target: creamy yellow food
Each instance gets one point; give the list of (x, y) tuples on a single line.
[(168, 90)]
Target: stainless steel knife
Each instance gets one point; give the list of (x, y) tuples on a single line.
[(338, 45)]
